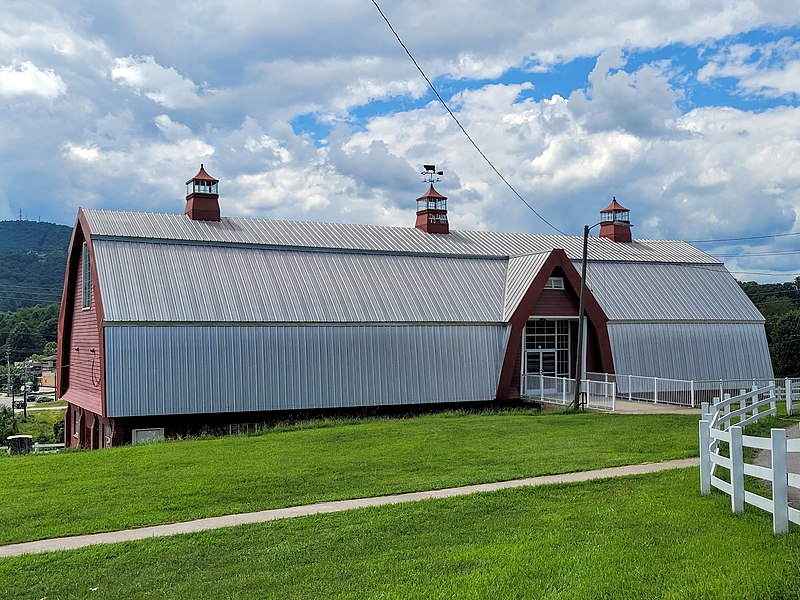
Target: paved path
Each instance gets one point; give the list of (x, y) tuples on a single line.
[(80, 541), (764, 459), (650, 408)]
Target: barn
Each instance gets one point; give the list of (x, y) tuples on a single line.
[(175, 322)]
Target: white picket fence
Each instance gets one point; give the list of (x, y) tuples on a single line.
[(723, 421), (596, 395)]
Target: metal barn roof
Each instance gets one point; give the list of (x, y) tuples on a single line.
[(372, 238), (163, 282), (250, 271), (675, 292)]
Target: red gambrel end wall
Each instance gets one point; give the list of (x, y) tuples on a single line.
[(508, 387), (80, 378)]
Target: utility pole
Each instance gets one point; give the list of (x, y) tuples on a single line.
[(11, 389), (576, 401), (25, 395)]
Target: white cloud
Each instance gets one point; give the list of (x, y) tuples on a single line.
[(771, 69), (163, 85), (26, 79)]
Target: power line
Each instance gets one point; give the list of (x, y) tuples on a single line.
[(776, 253), (460, 126), (740, 239)]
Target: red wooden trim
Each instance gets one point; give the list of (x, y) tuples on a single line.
[(81, 233), (594, 313)]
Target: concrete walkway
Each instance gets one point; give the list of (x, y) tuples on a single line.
[(650, 408), (764, 459), (81, 541)]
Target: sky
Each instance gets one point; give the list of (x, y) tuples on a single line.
[(686, 112)]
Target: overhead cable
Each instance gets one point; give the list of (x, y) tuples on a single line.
[(460, 126)]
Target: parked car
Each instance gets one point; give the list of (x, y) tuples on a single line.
[(45, 399)]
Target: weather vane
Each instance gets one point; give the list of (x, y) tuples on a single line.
[(430, 174)]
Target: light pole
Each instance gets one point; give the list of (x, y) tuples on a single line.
[(576, 401)]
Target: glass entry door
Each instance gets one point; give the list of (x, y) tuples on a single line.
[(546, 353), (540, 371)]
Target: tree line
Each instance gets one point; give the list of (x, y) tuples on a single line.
[(780, 305)]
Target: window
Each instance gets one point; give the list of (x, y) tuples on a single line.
[(87, 277), (554, 283)]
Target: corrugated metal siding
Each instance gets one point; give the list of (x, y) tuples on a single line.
[(185, 282), (303, 234), (636, 291), (691, 350), (207, 369), (521, 272)]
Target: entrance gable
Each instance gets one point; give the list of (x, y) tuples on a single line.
[(556, 261)]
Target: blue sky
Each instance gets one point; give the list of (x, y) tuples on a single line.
[(686, 112)]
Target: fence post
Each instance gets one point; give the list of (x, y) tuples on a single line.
[(564, 391), (721, 390), (655, 390), (630, 392), (773, 404), (725, 412), (613, 397), (541, 387), (780, 483), (704, 409), (705, 457), (788, 389), (737, 470)]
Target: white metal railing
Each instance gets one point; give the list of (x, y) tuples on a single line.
[(598, 395), (723, 421), (39, 448), (685, 392)]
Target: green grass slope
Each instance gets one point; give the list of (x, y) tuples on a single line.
[(647, 537), (85, 492)]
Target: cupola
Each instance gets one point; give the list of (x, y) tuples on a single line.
[(202, 197), (615, 222), (432, 206)]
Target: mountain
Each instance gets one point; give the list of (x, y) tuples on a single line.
[(33, 258)]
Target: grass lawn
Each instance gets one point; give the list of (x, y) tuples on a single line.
[(93, 491), (39, 423), (640, 537)]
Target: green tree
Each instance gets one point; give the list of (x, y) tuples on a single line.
[(8, 425), (23, 341), (775, 306), (785, 344), (50, 349)]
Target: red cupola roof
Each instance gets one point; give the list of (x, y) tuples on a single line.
[(431, 194), (202, 175), (614, 207)]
